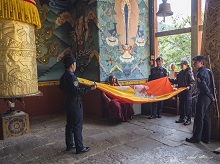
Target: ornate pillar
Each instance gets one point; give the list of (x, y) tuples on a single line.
[(211, 47), (18, 67)]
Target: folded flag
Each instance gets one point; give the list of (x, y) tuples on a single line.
[(153, 91)]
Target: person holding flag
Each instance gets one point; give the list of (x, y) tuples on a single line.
[(157, 72), (186, 79)]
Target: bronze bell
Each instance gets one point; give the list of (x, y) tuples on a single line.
[(164, 10)]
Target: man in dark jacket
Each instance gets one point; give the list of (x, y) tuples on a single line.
[(73, 105), (157, 72), (186, 79), (202, 122)]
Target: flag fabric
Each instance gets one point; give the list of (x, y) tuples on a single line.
[(153, 91)]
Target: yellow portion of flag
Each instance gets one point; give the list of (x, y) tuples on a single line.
[(145, 93)]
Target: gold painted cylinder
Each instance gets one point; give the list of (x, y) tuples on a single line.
[(18, 68)]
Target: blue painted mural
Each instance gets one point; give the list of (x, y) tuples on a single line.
[(124, 39), (68, 27), (106, 37)]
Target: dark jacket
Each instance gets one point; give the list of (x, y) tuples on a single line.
[(157, 73), (204, 82), (69, 84), (184, 78)]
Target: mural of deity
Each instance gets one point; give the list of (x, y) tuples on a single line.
[(106, 37), (126, 18)]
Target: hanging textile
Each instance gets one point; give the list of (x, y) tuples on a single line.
[(153, 91), (20, 10)]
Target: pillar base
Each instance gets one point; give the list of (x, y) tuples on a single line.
[(14, 124)]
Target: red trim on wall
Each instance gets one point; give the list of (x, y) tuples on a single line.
[(52, 102)]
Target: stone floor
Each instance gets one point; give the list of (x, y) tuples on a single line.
[(139, 141)]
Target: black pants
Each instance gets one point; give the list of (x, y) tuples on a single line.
[(156, 108), (185, 106), (202, 121), (74, 113)]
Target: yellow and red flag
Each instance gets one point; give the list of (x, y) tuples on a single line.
[(153, 91)]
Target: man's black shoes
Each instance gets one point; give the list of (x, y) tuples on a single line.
[(84, 150), (191, 140), (152, 117), (188, 122), (179, 121), (205, 141), (70, 148)]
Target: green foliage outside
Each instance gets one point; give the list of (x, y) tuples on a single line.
[(174, 48)]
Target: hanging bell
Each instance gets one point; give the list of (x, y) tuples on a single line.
[(164, 10)]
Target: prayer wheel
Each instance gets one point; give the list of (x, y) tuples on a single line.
[(18, 68)]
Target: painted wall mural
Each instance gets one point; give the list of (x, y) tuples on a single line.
[(68, 27), (105, 36), (124, 43)]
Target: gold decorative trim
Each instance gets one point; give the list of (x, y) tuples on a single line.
[(38, 93), (130, 82), (20, 10), (48, 83)]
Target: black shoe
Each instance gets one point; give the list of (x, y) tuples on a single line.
[(84, 150), (151, 117), (179, 121), (70, 148), (191, 140), (206, 142), (188, 122), (158, 116)]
